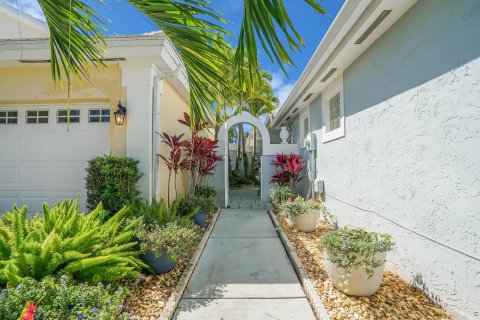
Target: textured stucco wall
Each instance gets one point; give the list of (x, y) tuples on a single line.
[(411, 150)]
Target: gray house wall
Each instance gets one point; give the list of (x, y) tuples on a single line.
[(409, 164)]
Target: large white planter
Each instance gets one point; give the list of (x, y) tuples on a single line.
[(358, 282), (306, 222)]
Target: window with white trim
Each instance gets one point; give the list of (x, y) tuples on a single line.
[(62, 116), (98, 115), (36, 116), (8, 117), (333, 111)]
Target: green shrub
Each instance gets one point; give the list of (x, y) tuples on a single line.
[(157, 211), (207, 192), (62, 299), (281, 194), (90, 247), (177, 240), (112, 181), (347, 244), (194, 204)]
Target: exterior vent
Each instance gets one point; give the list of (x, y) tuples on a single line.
[(295, 110), (373, 26), (34, 61), (308, 97), (288, 118), (329, 74)]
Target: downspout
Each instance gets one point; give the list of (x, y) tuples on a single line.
[(155, 187)]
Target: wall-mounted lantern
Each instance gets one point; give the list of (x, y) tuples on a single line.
[(120, 114)]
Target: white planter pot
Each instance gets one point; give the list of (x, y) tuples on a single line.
[(306, 222), (358, 282)]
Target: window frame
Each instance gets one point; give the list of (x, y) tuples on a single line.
[(71, 116), (100, 116), (334, 88), (304, 115), (37, 117), (7, 117)]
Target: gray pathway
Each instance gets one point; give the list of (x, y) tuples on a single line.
[(244, 273)]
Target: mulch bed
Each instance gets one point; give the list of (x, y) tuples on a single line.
[(148, 294), (395, 299)]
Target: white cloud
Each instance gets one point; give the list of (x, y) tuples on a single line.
[(281, 86), (30, 7)]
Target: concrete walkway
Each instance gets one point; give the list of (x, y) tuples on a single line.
[(244, 273)]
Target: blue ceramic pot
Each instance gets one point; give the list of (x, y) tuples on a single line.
[(200, 218), (160, 264)]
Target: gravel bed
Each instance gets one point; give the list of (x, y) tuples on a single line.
[(148, 294), (395, 299)]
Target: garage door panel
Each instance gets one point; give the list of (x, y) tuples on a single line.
[(45, 163)]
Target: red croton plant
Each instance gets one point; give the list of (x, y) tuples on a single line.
[(287, 169)]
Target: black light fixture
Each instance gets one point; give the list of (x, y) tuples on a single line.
[(120, 114)]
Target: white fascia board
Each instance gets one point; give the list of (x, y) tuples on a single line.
[(24, 17), (338, 50), (344, 20)]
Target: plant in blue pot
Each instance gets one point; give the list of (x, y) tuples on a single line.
[(202, 206), (164, 245)]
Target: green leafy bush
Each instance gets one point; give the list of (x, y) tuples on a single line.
[(90, 247), (60, 298), (194, 204), (112, 181), (177, 240), (280, 194), (207, 192), (300, 206), (157, 211), (350, 248)]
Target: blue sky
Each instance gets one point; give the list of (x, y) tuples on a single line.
[(125, 19)]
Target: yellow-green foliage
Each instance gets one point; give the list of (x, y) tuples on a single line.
[(91, 247)]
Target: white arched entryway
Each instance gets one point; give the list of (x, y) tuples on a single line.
[(268, 149)]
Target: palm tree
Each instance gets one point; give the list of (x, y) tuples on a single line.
[(194, 27)]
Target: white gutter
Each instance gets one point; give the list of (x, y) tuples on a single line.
[(347, 16)]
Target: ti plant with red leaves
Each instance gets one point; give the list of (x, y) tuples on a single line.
[(200, 152), (287, 169), (174, 161), (28, 312)]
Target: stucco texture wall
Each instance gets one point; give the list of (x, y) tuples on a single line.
[(172, 107), (410, 154), (33, 85)]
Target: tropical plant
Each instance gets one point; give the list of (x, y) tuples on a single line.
[(159, 212), (61, 298), (196, 204), (207, 191), (200, 153), (90, 247), (350, 248), (174, 162), (175, 240), (287, 169), (113, 181), (193, 27), (280, 194)]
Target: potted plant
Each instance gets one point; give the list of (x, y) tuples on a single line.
[(202, 206), (303, 213), (164, 245), (280, 194), (355, 259)]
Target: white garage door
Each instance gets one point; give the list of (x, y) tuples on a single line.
[(40, 161)]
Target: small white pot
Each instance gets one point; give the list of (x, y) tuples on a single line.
[(307, 221), (358, 282)]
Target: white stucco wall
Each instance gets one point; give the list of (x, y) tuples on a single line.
[(411, 152)]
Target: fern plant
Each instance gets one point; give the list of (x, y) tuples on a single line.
[(158, 212), (92, 247)]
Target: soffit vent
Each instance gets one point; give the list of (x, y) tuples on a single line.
[(288, 118), (373, 26), (295, 110), (329, 74), (308, 97)]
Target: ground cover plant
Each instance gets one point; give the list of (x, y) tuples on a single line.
[(91, 247), (63, 299)]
